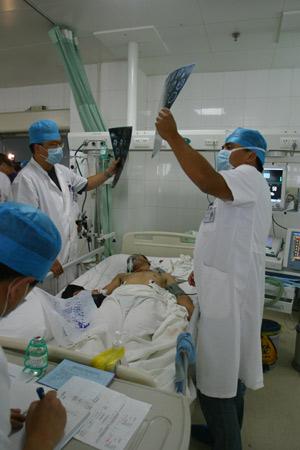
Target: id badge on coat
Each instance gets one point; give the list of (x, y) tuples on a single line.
[(210, 214)]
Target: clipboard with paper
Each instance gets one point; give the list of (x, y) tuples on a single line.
[(173, 85)]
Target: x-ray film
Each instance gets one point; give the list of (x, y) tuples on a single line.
[(120, 139), (172, 86)]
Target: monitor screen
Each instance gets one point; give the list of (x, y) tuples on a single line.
[(274, 177), (295, 247), (292, 249)]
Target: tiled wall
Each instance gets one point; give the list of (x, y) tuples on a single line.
[(109, 86), (156, 194), (260, 98), (113, 95), (54, 96)]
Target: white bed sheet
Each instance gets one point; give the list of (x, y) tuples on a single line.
[(29, 318), (161, 360), (100, 275), (158, 359)]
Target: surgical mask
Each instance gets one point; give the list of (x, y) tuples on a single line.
[(5, 305), (55, 155), (7, 298), (222, 160)]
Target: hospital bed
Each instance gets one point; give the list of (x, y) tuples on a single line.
[(163, 248), (158, 243), (168, 424)]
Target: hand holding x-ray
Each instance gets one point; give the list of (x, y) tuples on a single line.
[(165, 124), (120, 139), (172, 87)]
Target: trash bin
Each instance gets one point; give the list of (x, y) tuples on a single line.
[(296, 360), (270, 332)]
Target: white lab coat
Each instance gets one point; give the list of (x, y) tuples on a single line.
[(5, 188), (34, 186), (229, 266), (4, 402)]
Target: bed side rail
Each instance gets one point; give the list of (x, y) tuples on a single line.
[(158, 243)]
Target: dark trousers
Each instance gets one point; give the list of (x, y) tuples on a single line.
[(224, 417)]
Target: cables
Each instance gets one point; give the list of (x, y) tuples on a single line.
[(84, 200), (276, 223), (41, 13), (79, 170), (75, 155), (210, 202), (83, 218), (273, 227)]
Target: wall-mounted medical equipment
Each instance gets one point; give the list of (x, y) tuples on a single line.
[(292, 249), (280, 141), (90, 153), (275, 175), (144, 140)]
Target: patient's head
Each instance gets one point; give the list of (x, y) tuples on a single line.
[(138, 263)]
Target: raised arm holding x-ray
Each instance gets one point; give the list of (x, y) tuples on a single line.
[(196, 167)]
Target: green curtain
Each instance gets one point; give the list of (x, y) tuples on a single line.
[(67, 45)]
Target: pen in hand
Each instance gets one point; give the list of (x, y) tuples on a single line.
[(40, 392)]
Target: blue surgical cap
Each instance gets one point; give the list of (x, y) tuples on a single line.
[(250, 140), (29, 240), (43, 131)]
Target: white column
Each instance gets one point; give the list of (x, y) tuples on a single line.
[(133, 51)]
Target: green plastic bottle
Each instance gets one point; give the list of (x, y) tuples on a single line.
[(36, 356)]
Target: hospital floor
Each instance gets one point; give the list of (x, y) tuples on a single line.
[(272, 413)]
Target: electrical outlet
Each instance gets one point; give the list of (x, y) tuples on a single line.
[(288, 142), (211, 142), (142, 142)]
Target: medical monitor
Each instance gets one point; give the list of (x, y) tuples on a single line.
[(275, 176), (292, 249)]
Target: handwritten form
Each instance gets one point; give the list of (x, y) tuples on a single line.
[(23, 393), (113, 418), (98, 416)]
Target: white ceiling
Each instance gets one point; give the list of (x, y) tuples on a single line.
[(193, 31)]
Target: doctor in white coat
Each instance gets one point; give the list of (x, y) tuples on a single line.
[(29, 243), (53, 187), (6, 169), (229, 270)]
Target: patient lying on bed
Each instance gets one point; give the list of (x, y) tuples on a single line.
[(139, 272)]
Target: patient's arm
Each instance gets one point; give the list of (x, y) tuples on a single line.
[(182, 298), (115, 283), (168, 278), (185, 300)]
